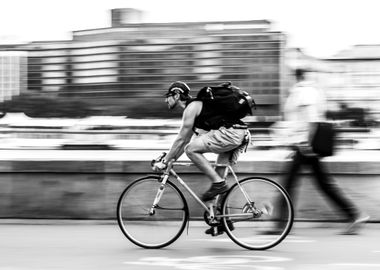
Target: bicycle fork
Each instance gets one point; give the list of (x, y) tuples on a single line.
[(160, 191)]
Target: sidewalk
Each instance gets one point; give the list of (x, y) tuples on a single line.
[(82, 246)]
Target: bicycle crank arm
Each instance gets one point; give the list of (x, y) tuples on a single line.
[(242, 215)]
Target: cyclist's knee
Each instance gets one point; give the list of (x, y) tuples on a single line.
[(193, 148), (189, 149)]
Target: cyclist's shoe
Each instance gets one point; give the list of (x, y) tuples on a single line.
[(219, 229), (215, 230), (215, 189)]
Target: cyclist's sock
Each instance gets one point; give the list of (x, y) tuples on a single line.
[(215, 189), (219, 184)]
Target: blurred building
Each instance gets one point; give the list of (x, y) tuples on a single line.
[(350, 80), (354, 79), (124, 69), (13, 71)]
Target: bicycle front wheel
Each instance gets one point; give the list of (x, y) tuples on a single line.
[(155, 229), (258, 213)]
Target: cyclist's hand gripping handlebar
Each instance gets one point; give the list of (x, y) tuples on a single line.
[(159, 163)]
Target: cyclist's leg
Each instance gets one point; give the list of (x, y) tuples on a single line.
[(223, 158), (214, 141), (195, 150), (219, 142)]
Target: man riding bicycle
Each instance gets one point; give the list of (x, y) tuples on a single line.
[(227, 140)]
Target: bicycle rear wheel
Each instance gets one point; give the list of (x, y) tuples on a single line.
[(261, 218), (152, 230)]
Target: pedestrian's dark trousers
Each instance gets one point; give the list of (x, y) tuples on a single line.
[(324, 181)]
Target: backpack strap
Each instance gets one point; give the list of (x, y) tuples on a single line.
[(187, 104), (251, 101)]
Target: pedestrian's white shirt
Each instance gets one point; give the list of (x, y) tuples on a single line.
[(305, 104)]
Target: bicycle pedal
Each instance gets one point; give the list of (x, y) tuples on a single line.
[(216, 231)]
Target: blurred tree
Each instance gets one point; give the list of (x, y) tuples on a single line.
[(147, 108), (359, 117), (36, 106)]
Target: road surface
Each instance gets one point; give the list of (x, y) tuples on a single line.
[(46, 245)]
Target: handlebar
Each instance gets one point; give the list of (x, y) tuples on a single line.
[(169, 164), (158, 159)]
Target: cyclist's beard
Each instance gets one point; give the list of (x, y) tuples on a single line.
[(171, 107)]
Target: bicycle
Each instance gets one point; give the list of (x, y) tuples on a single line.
[(152, 211)]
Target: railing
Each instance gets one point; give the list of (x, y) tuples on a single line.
[(148, 138)]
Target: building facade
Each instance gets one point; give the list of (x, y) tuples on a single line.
[(355, 78), (13, 73), (124, 69)]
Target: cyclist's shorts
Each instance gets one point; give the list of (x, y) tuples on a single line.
[(224, 140)]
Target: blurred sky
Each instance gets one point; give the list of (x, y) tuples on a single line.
[(320, 27)]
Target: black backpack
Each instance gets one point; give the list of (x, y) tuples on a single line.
[(228, 102)]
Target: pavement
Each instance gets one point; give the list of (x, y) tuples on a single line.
[(63, 244)]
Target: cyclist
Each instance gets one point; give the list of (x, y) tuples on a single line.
[(227, 141)]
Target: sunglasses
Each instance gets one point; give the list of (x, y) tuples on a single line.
[(170, 95)]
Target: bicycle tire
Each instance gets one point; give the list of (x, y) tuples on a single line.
[(165, 226), (264, 231)]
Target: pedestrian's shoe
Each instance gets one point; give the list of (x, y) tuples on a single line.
[(354, 226), (215, 189), (219, 229)]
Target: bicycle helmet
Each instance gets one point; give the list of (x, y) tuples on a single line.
[(178, 87)]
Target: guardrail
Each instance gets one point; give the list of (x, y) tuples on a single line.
[(146, 138), (87, 185)]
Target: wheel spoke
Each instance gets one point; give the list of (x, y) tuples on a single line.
[(154, 229), (272, 213)]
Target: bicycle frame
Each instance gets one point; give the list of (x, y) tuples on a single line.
[(209, 209)]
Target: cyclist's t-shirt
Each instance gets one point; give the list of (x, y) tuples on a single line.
[(202, 121)]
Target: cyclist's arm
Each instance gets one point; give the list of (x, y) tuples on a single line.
[(186, 131)]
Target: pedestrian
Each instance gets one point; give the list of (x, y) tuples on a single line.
[(304, 106)]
